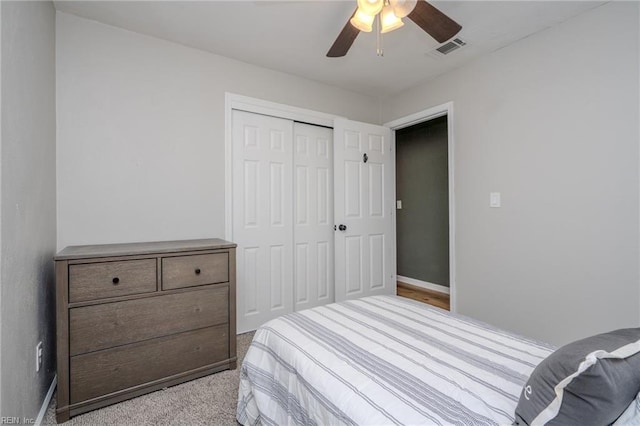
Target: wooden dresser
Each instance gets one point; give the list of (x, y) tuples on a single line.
[(135, 318)]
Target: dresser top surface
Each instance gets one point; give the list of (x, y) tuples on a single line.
[(132, 249)]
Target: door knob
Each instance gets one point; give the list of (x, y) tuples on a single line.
[(342, 227)]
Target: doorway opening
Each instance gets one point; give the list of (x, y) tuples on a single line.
[(424, 208), (422, 216)]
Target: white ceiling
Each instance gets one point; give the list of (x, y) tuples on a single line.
[(294, 36)]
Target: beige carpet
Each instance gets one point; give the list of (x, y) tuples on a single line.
[(210, 400)]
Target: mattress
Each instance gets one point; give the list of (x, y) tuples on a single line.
[(383, 360)]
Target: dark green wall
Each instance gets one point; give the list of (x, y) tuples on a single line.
[(422, 185)]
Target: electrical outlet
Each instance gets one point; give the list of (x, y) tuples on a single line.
[(38, 356)]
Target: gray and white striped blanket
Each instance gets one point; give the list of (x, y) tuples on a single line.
[(383, 360)]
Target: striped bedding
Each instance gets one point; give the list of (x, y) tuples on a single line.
[(383, 360)]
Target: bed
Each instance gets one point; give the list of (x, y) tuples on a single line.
[(383, 360)]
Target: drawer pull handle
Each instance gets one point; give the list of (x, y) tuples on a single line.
[(198, 271), (115, 281)]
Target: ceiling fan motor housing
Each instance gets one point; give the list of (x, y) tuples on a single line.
[(431, 20)]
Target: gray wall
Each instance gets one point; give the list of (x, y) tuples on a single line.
[(27, 204), (422, 185), (155, 111), (551, 122)]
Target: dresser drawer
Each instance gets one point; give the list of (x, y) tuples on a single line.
[(100, 373), (92, 281), (189, 271), (103, 326)]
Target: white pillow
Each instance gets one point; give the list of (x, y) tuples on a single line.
[(630, 416)]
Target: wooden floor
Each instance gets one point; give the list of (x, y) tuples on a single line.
[(441, 300)]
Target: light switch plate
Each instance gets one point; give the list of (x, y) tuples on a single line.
[(494, 199), (399, 204)]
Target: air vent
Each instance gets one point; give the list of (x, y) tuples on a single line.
[(450, 46)]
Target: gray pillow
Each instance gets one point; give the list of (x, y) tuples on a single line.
[(587, 382)]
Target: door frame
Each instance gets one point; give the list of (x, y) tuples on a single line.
[(420, 117), (258, 106)]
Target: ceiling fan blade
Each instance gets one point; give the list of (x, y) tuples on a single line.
[(433, 22), (344, 41)]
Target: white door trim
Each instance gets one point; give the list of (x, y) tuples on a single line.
[(419, 117), (259, 106)]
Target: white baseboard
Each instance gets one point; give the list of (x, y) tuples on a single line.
[(423, 284), (47, 400)]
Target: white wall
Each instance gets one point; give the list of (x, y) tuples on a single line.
[(141, 132), (551, 122), (28, 207)]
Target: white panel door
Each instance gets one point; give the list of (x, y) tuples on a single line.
[(262, 217), (313, 216), (365, 262)]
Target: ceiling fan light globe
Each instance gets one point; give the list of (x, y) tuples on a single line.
[(402, 8), (389, 21), (370, 7), (362, 21)]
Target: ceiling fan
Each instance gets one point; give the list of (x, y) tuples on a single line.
[(389, 14)]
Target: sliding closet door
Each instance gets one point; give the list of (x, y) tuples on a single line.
[(291, 183), (313, 216), (262, 217), (365, 261)]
